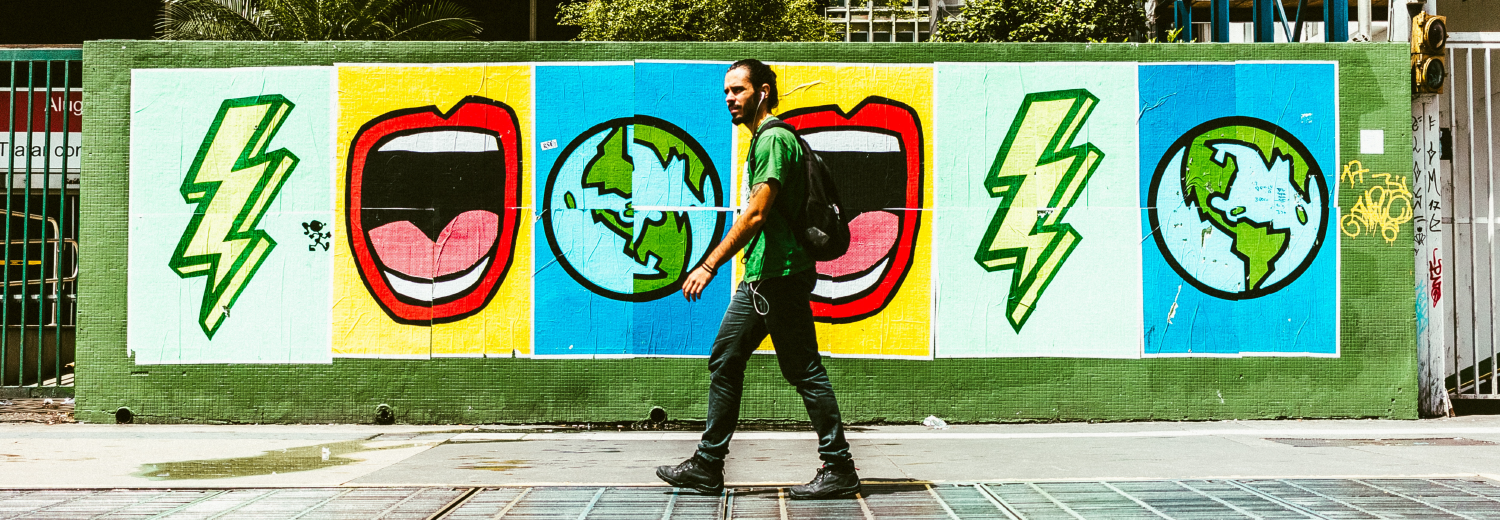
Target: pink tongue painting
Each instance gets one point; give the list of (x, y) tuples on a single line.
[(405, 249), (871, 236)]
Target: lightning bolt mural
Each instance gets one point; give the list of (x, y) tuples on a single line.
[(233, 181), (1036, 169)]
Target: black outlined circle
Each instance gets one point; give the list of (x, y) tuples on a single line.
[(710, 172), (1314, 171)]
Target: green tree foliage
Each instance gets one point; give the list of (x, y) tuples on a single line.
[(698, 20), (315, 20), (1044, 21)]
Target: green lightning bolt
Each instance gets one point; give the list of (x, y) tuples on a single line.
[(1036, 169), (233, 181)]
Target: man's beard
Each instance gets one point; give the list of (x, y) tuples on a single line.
[(747, 114)]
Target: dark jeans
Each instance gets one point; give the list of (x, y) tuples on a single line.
[(788, 318)]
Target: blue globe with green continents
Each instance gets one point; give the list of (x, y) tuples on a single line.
[(621, 208), (1239, 207)]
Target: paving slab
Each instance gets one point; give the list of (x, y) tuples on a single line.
[(268, 456), (1449, 498)]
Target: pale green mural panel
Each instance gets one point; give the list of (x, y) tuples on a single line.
[(1083, 297), (231, 181)]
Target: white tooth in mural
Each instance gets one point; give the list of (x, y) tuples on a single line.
[(442, 141), (832, 290), (851, 141), (429, 291)]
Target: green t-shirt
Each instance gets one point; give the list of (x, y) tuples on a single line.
[(776, 155)]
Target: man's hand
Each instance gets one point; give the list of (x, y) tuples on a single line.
[(749, 223), (698, 279)]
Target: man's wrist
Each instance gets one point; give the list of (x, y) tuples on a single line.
[(706, 266)]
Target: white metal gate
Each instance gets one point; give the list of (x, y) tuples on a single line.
[(1467, 283)]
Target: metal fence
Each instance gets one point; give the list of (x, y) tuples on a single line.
[(41, 105), (1473, 336)]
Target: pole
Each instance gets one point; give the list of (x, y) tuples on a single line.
[(1220, 19), (1336, 20), (1263, 21), (1366, 11)]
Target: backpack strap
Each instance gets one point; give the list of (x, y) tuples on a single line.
[(750, 158), (756, 137)]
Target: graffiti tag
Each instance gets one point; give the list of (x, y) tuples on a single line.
[(1435, 275), (1384, 206), (1035, 244), (315, 230)]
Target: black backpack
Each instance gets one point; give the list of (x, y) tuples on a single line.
[(822, 230)]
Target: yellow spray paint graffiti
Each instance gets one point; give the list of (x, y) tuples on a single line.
[(1384, 206)]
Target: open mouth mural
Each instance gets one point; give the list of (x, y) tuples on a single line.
[(875, 154), (433, 208)]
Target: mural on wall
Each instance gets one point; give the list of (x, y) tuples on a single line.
[(1113, 210), (430, 254), (1033, 166), (872, 127), (876, 150), (631, 199), (1037, 211), (226, 166), (1239, 208), (464, 166), (233, 181)]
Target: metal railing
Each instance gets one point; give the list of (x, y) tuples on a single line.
[(1470, 203), (40, 110), (1276, 20)]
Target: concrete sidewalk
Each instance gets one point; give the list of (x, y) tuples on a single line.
[(182, 456)]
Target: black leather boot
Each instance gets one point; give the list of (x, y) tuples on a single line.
[(832, 481), (695, 473)]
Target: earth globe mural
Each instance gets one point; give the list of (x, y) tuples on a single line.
[(619, 208), (1239, 207)]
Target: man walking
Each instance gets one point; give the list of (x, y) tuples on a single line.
[(772, 299)]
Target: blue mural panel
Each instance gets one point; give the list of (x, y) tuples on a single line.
[(628, 193), (684, 104), (570, 101), (1237, 165)]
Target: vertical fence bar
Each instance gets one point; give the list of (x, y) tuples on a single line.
[(26, 204), (1473, 281), (1489, 133), (1335, 20), (1219, 20), (10, 170), (1458, 369), (41, 295), (1263, 22), (62, 215)]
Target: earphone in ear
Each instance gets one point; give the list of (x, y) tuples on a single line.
[(762, 97)]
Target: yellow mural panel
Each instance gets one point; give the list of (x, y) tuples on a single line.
[(434, 251), (873, 125)]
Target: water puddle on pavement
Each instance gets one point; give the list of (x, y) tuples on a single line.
[(289, 460), (495, 465)]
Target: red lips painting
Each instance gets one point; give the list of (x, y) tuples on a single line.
[(875, 153), (433, 208)]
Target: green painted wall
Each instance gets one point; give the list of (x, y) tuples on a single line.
[(1374, 374)]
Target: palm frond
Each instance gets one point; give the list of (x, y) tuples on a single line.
[(316, 20), (435, 20), (211, 20)]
